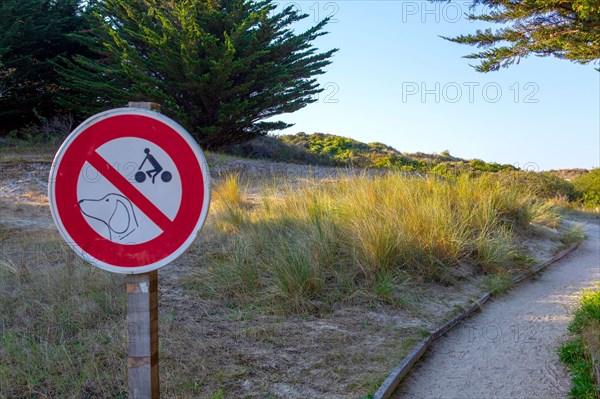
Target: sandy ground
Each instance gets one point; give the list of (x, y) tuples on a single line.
[(510, 349)]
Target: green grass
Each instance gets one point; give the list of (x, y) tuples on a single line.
[(587, 312), (363, 237), (576, 353), (587, 187), (571, 236), (498, 283), (61, 332)]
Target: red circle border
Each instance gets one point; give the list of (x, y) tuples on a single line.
[(70, 169)]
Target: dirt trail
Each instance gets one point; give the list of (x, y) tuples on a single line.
[(509, 349)]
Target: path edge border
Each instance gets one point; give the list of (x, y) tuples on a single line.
[(401, 370)]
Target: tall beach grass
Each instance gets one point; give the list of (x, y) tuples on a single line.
[(314, 242)]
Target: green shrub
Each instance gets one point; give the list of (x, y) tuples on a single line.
[(49, 132), (576, 353), (332, 150), (588, 311), (587, 187)]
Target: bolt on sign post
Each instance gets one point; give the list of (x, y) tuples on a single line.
[(129, 190)]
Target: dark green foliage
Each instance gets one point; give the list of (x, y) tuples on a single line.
[(219, 67), (34, 34), (587, 187), (567, 29)]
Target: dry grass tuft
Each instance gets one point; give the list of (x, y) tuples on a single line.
[(316, 243), (230, 201)]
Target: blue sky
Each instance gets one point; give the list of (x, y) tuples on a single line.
[(396, 81)]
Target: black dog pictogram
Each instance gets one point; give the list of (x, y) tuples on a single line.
[(115, 211)]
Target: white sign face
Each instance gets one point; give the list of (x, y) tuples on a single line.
[(153, 173), (129, 190)]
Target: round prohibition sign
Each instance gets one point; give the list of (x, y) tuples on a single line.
[(129, 190)]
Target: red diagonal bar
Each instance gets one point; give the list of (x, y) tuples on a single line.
[(133, 194)]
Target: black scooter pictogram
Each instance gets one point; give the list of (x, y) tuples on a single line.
[(140, 176)]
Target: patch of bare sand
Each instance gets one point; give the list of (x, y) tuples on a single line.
[(24, 196)]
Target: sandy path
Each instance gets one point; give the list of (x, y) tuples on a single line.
[(509, 349)]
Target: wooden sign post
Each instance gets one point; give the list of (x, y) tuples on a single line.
[(142, 335), (142, 324), (129, 190)]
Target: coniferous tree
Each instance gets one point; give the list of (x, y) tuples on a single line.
[(219, 67), (567, 29), (33, 34)]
